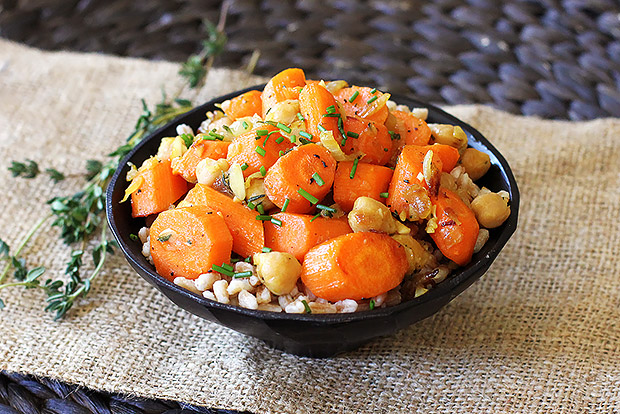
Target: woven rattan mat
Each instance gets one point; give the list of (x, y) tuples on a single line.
[(552, 58)]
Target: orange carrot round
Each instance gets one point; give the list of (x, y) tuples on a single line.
[(303, 176), (457, 227), (368, 181), (187, 242), (301, 232), (159, 188), (284, 85), (357, 101), (319, 109), (370, 139), (246, 104), (354, 266)]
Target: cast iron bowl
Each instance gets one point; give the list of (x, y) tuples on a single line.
[(306, 334)]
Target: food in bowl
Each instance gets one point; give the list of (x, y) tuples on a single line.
[(313, 196)]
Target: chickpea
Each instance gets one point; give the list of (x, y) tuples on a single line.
[(476, 163), (208, 170), (369, 214), (278, 271), (491, 210), (448, 135)]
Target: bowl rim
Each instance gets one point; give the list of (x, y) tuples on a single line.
[(446, 287)]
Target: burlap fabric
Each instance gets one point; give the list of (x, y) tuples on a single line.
[(538, 333)]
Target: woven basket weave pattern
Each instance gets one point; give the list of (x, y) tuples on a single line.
[(551, 58)]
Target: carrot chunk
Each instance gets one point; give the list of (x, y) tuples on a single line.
[(186, 242), (368, 181), (354, 266), (258, 150), (284, 85), (368, 138), (303, 176), (301, 232), (158, 189), (246, 104), (319, 109), (247, 232), (185, 165), (457, 227), (412, 130), (365, 104)]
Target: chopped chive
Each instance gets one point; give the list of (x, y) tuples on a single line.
[(222, 270), (262, 132), (280, 153), (283, 127), (326, 208), (260, 209), (318, 179), (293, 138), (164, 238), (263, 217), (245, 125), (394, 135), (227, 266), (300, 117), (266, 249), (371, 100), (352, 174), (247, 259), (344, 141), (244, 166), (241, 275), (260, 151), (227, 129), (279, 140), (331, 109), (276, 221), (384, 195), (316, 216), (251, 205), (373, 91), (341, 128), (353, 134), (331, 115), (208, 138), (262, 170), (285, 205), (216, 135), (371, 304), (304, 141), (322, 128), (265, 141), (307, 196), (306, 306), (355, 94), (305, 135), (134, 237)]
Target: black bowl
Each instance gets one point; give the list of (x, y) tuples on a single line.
[(306, 334)]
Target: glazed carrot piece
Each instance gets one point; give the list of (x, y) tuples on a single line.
[(185, 165), (186, 242), (285, 85), (368, 181), (257, 153), (448, 155), (301, 232), (303, 176), (246, 104), (365, 104), (247, 232), (411, 130), (457, 227), (318, 107), (354, 266), (368, 138), (157, 188)]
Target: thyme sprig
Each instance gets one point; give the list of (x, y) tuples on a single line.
[(80, 215)]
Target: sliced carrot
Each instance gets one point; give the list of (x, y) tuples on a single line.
[(258, 150), (157, 189), (284, 85), (185, 165), (457, 227), (187, 242), (411, 130), (354, 266), (246, 104), (303, 176), (370, 139), (363, 103), (247, 232), (448, 155), (301, 232), (368, 181), (319, 109)]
